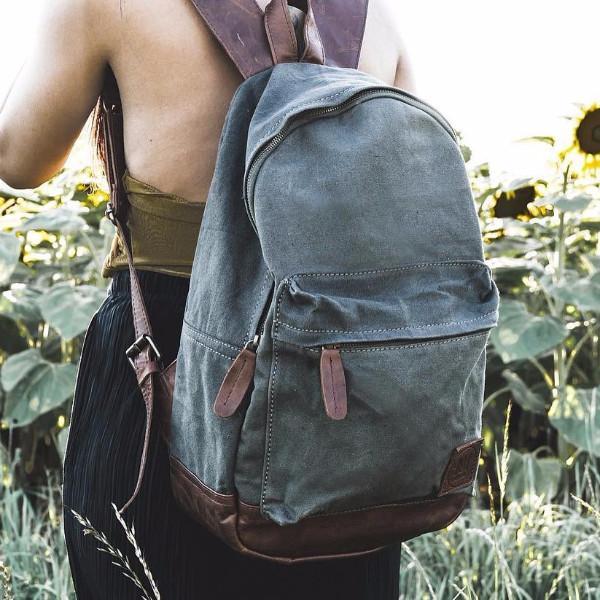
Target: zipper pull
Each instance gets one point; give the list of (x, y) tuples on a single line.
[(237, 381), (333, 383)]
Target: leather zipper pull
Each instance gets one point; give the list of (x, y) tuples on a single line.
[(237, 381), (333, 384)]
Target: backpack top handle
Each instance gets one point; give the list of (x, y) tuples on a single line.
[(282, 36), (239, 27)]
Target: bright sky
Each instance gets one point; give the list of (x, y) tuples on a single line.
[(499, 70)]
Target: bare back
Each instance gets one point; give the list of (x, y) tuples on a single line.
[(175, 83)]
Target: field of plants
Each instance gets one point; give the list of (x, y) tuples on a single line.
[(533, 529)]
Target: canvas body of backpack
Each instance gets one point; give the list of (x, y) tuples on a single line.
[(330, 378)]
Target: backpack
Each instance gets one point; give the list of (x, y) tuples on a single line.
[(327, 395)]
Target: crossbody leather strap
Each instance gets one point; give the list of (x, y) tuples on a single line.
[(333, 32), (143, 354)]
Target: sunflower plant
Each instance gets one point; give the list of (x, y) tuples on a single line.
[(541, 240), (52, 241)]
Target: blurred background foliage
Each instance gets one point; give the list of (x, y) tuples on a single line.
[(52, 243), (538, 485)]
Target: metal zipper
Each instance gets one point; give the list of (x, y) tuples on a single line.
[(312, 114), (240, 375), (395, 342), (260, 326)]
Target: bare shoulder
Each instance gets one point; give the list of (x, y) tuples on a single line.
[(384, 53)]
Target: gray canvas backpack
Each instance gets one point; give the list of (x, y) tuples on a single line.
[(328, 387)]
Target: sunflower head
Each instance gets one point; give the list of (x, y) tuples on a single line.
[(587, 132), (517, 201), (584, 151)]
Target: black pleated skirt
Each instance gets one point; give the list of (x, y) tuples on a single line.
[(103, 451)]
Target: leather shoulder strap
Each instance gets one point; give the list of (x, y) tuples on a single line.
[(143, 354), (341, 24), (238, 25), (113, 150)]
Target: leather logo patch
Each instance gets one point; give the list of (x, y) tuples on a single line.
[(462, 467)]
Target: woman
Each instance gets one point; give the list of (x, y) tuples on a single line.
[(175, 84)]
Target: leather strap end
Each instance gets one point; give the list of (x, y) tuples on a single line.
[(147, 389), (314, 51), (236, 384), (280, 32), (333, 384), (145, 370)]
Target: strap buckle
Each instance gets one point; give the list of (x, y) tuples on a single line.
[(109, 213), (143, 342)]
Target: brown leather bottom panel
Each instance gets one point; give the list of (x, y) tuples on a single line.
[(165, 383), (353, 532), (314, 538), (217, 512)]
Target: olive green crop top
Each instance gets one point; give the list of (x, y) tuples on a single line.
[(164, 230)]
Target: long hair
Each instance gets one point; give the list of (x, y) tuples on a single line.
[(109, 94), (97, 137)]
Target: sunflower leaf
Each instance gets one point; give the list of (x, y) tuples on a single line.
[(520, 334), (529, 475), (576, 416)]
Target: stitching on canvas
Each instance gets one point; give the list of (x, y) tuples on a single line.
[(271, 409), (452, 340), (203, 334), (190, 334), (254, 310), (466, 263), (483, 316)]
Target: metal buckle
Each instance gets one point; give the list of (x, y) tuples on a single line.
[(109, 213), (139, 345)]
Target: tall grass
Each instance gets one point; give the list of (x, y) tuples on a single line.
[(33, 558), (539, 551), (532, 550)]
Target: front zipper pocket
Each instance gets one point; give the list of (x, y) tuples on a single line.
[(332, 374), (376, 377)]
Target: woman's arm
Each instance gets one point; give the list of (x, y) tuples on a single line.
[(54, 92)]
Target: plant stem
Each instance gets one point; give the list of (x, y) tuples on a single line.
[(560, 352)]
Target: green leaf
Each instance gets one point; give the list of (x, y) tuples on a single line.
[(10, 250), (20, 304), (506, 264), (532, 476), (517, 184), (34, 386), (60, 219), (69, 308), (589, 223), (523, 396), (18, 366), (466, 152), (576, 203), (520, 335), (514, 245), (582, 292), (61, 442), (544, 139), (576, 416)]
